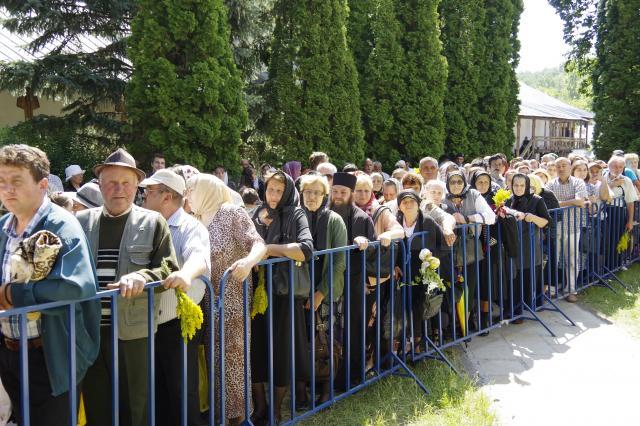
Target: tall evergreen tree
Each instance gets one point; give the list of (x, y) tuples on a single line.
[(498, 97), (462, 38), (80, 55), (185, 95), (422, 115), (359, 31), (312, 90), (616, 78), (383, 86)]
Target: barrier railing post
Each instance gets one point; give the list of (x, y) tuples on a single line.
[(24, 370), (151, 393), (115, 390), (71, 347)]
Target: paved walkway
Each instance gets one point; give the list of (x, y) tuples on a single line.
[(588, 375)]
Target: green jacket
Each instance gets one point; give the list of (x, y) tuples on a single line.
[(336, 237)]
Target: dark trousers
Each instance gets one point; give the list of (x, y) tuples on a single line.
[(168, 374), (44, 408), (132, 376)]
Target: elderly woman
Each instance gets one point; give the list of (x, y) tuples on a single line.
[(328, 231), (530, 209), (390, 189), (235, 245), (377, 181), (468, 207), (285, 228)]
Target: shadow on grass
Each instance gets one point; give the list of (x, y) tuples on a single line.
[(608, 302), (453, 400)]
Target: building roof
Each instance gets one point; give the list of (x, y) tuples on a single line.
[(534, 103), (13, 47)]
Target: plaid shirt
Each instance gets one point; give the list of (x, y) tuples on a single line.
[(573, 189), (10, 326)]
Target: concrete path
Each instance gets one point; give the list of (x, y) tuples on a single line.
[(588, 375)]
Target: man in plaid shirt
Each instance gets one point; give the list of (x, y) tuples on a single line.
[(571, 192)]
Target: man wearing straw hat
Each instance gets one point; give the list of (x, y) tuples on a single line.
[(132, 246)]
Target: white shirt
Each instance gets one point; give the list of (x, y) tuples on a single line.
[(190, 239)]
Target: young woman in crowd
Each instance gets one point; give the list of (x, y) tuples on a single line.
[(235, 244), (284, 227)]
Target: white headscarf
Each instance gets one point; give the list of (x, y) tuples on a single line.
[(206, 195)]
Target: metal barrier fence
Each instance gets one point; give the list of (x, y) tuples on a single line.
[(495, 274)]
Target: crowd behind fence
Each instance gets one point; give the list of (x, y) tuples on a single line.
[(495, 274)]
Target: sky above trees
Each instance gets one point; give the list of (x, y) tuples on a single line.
[(540, 37)]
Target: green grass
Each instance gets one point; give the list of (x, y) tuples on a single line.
[(453, 401), (623, 307)]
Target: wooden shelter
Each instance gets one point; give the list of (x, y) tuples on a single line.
[(549, 125)]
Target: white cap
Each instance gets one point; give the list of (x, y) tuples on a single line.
[(72, 170), (168, 178)]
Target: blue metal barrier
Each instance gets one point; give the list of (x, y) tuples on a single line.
[(575, 251)]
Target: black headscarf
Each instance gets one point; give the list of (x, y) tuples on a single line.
[(465, 188), (488, 196), (318, 223), (522, 202), (283, 215)]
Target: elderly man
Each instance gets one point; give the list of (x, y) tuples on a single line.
[(497, 169), (132, 246), (23, 188), (360, 231), (428, 169), (621, 186), (570, 192), (164, 192)]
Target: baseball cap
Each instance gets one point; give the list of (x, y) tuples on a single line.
[(168, 178)]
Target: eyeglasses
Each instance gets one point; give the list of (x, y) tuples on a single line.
[(309, 193)]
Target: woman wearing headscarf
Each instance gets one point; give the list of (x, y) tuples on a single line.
[(529, 209), (467, 206), (293, 169), (482, 182), (235, 245), (377, 180), (328, 231), (285, 228), (414, 222)]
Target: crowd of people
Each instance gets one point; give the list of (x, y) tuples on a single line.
[(124, 229)]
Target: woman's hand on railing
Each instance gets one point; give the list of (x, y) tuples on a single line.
[(130, 285), (459, 218), (361, 242), (241, 269), (449, 237)]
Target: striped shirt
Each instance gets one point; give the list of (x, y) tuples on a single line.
[(10, 326), (111, 230), (190, 239)]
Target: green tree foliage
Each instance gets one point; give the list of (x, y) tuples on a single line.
[(422, 116), (616, 78), (69, 66), (312, 90), (360, 32), (462, 38), (498, 98), (404, 82), (559, 83), (383, 86), (604, 50), (185, 96)]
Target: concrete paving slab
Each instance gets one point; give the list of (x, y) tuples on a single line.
[(587, 375)]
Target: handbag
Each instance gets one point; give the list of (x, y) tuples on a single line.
[(301, 279), (323, 354), (469, 255)]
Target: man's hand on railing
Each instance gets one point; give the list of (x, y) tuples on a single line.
[(130, 285), (179, 280)]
